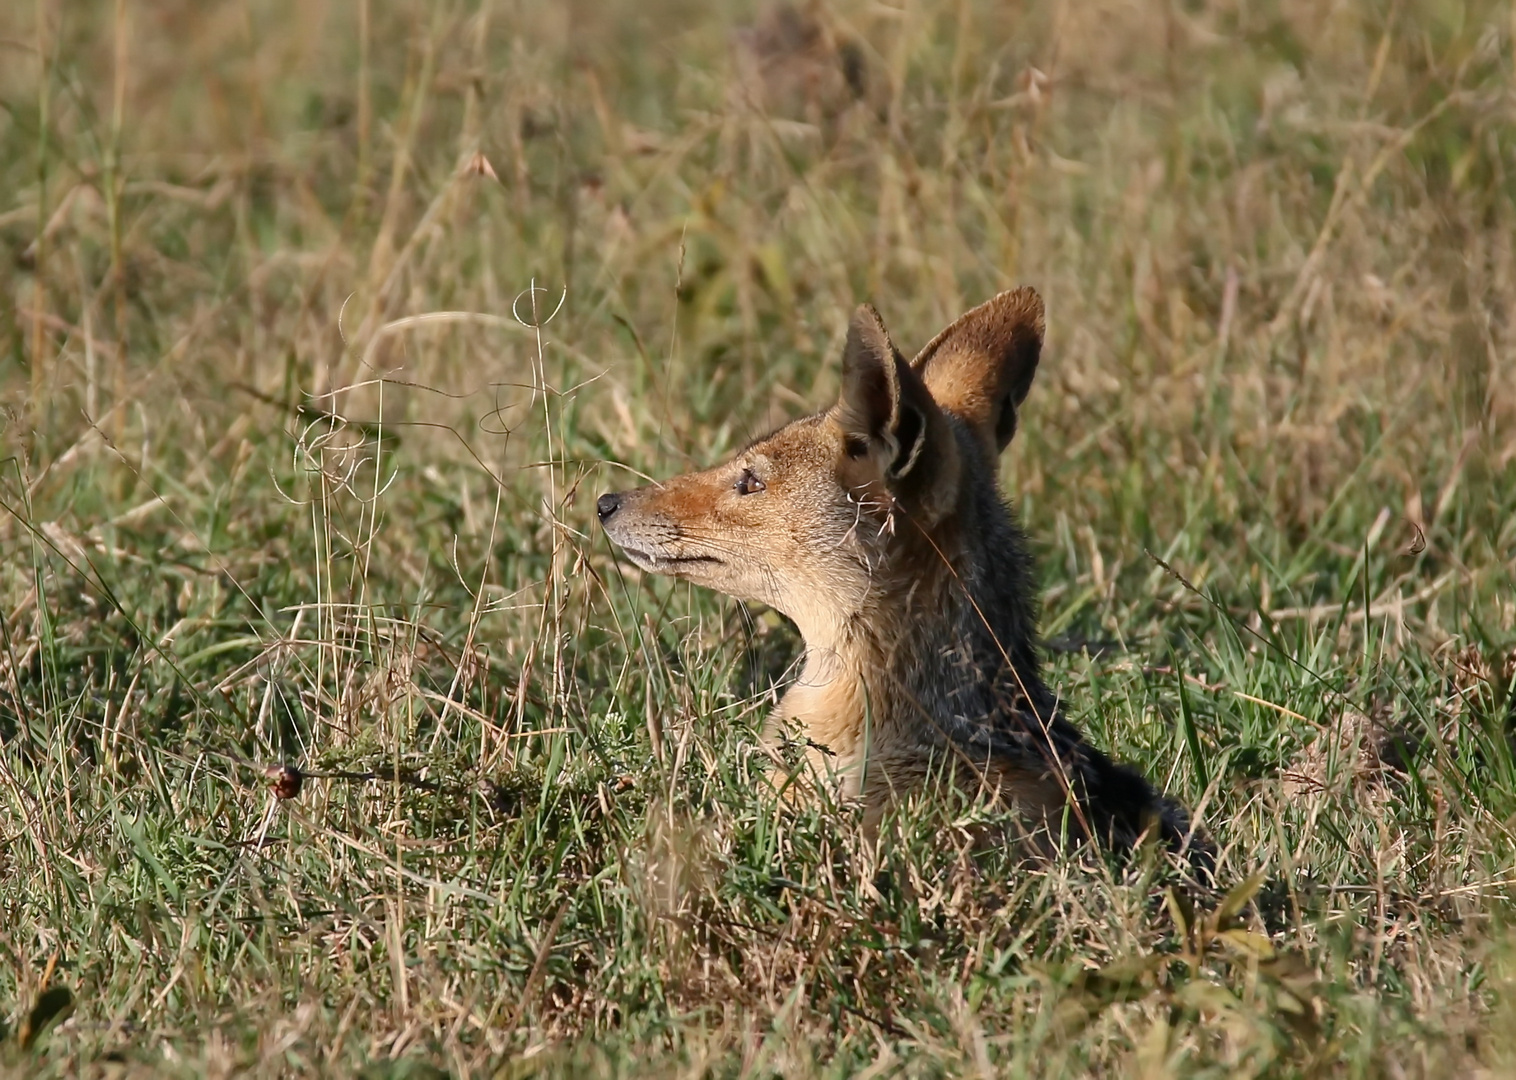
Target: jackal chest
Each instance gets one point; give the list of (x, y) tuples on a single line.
[(849, 732)]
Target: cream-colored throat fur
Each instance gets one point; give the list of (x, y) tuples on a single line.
[(841, 716)]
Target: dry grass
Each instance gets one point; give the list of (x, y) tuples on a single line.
[(322, 325)]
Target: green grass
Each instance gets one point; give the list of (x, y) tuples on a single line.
[(1276, 249)]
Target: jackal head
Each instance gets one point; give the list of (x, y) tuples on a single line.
[(838, 512)]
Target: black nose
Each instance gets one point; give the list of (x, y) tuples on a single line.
[(607, 504)]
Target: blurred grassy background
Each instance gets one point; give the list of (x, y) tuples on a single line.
[(323, 323)]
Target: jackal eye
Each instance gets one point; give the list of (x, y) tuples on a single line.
[(748, 483)]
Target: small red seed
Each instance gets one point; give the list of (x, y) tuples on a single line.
[(287, 780)]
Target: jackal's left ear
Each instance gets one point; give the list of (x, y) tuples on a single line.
[(980, 368), (885, 411)]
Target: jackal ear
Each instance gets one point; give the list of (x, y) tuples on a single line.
[(981, 367), (884, 410)]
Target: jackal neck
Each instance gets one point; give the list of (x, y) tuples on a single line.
[(941, 649)]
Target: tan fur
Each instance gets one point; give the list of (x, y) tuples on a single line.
[(953, 367), (878, 528)]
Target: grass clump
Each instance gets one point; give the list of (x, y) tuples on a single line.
[(324, 323)]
